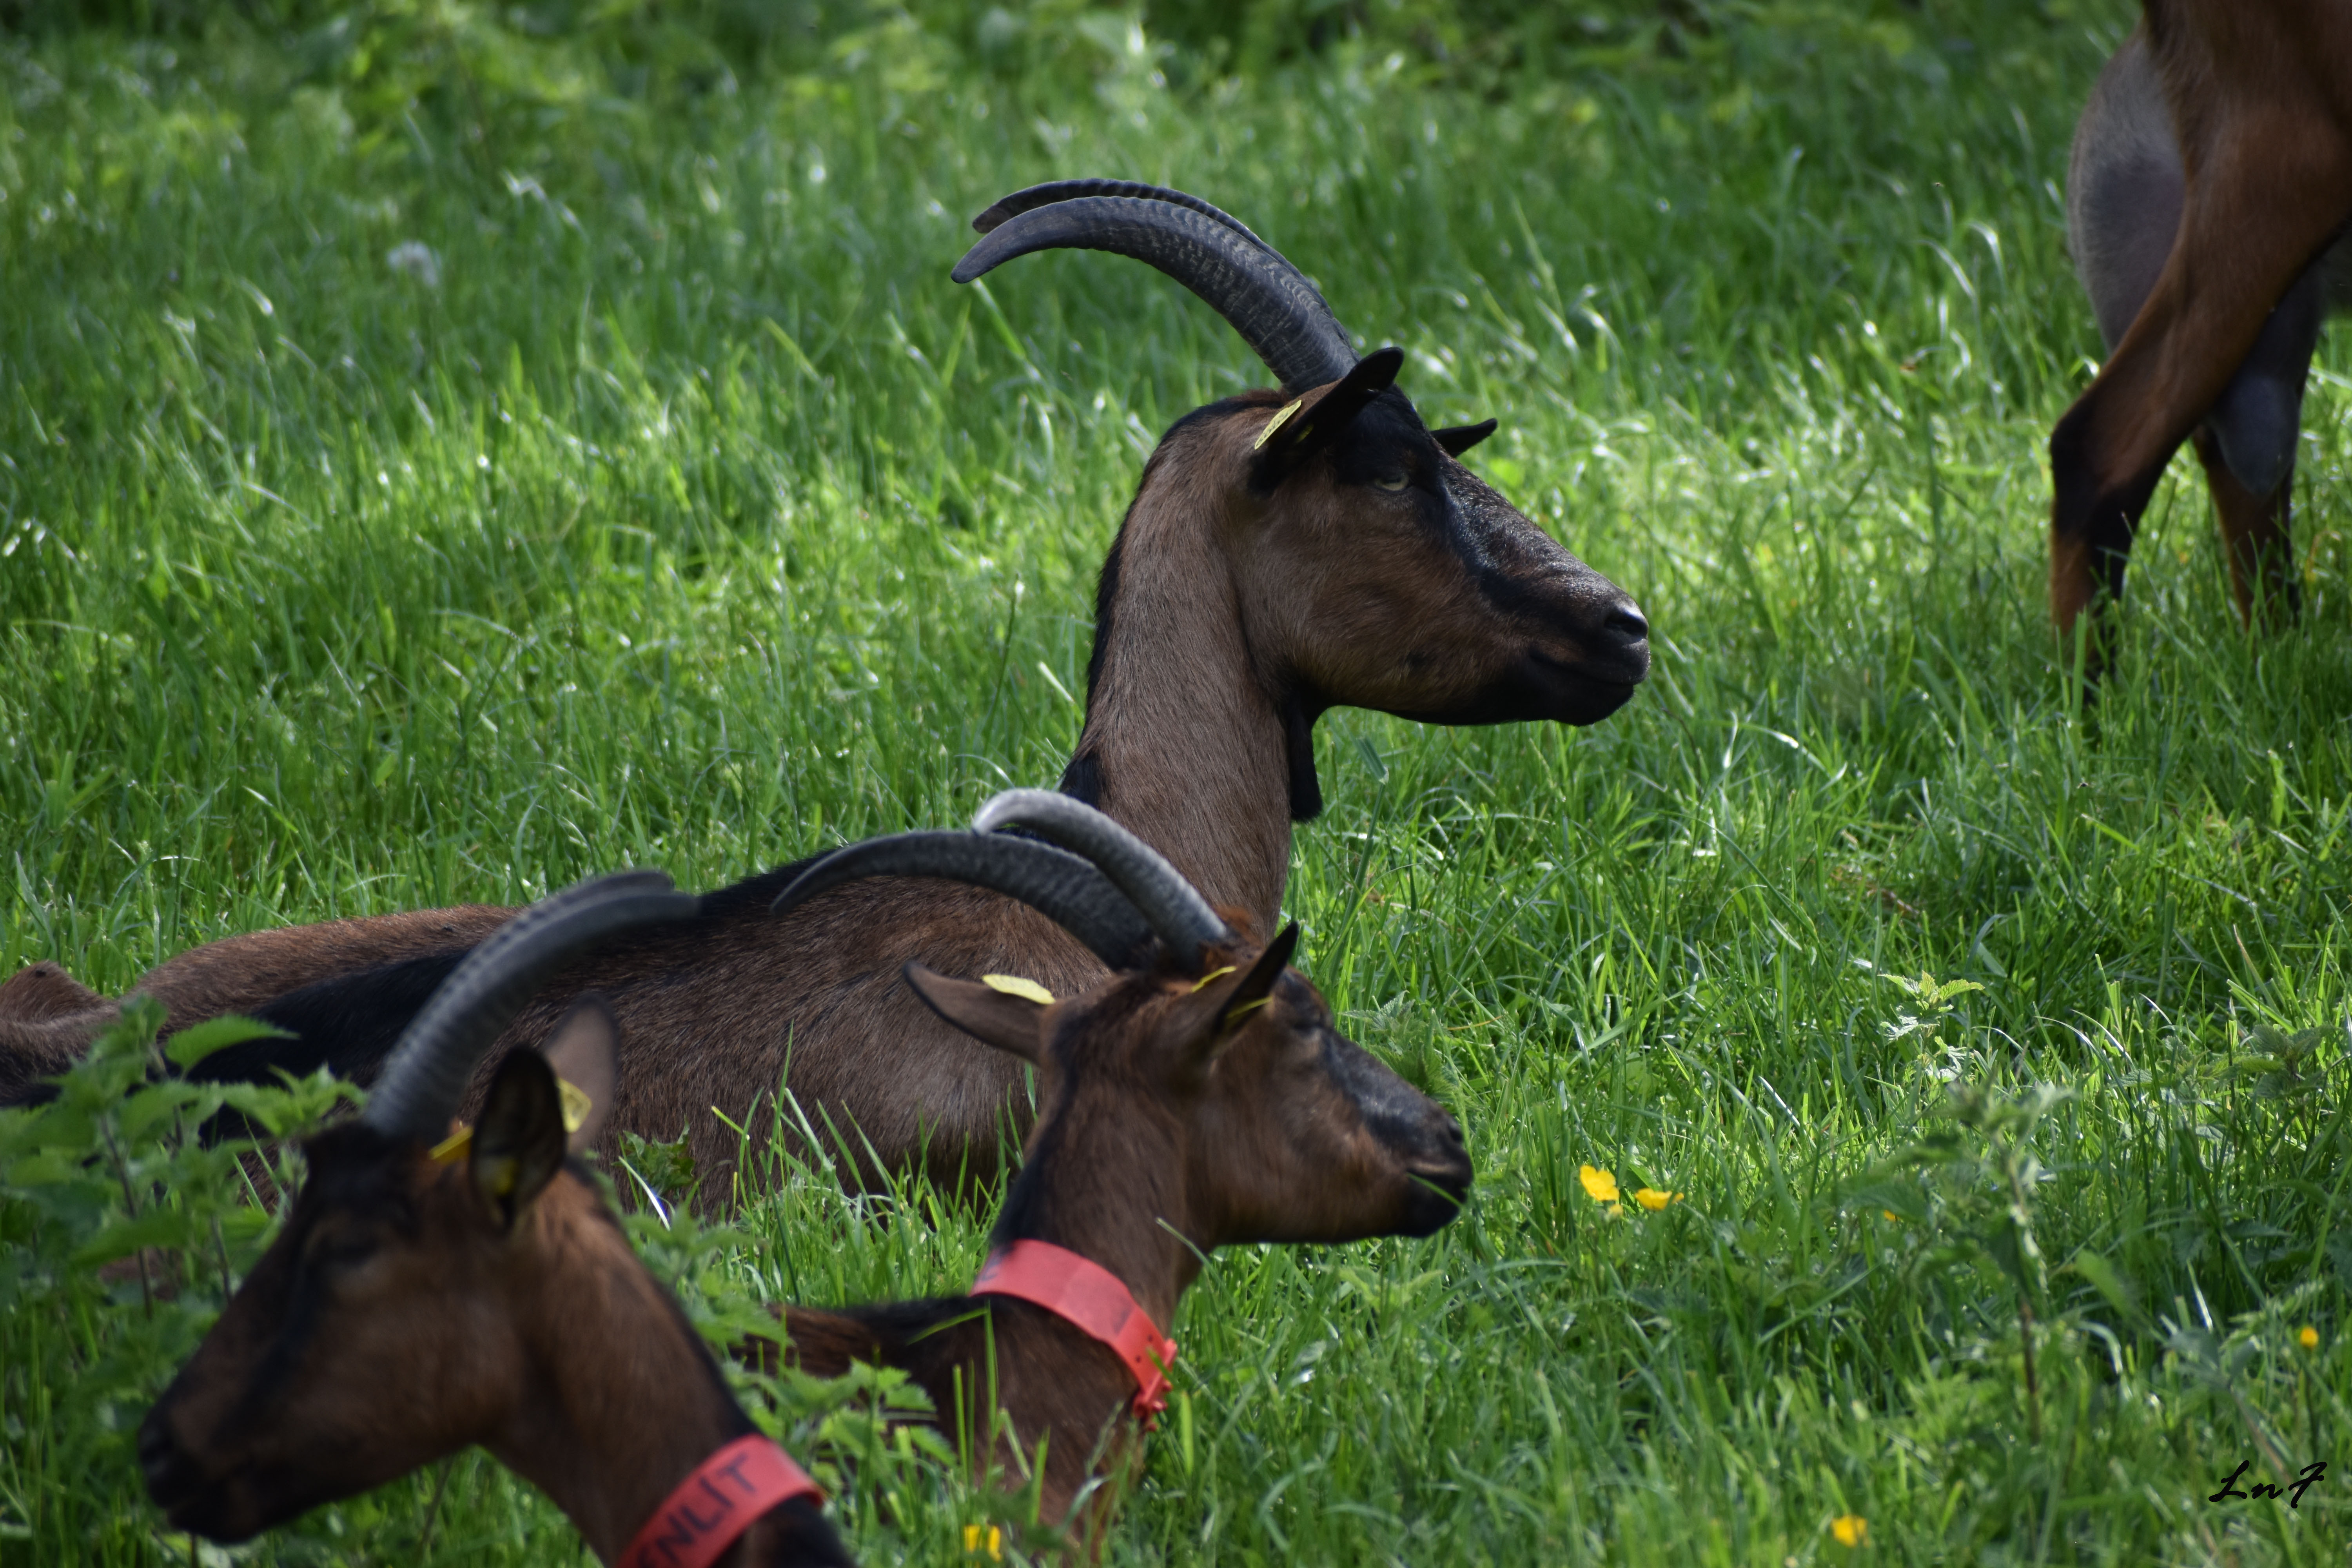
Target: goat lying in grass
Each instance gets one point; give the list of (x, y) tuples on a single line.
[(416, 1304), (1198, 1098), (1285, 552)]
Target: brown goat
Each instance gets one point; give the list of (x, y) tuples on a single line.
[(2208, 190), (416, 1304), (1285, 552), (1186, 1103), (1199, 1098)]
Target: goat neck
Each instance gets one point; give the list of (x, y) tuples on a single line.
[(1187, 739), (1105, 1179), (608, 1437)]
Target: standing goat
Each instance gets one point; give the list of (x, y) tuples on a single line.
[(2206, 201), (1285, 552), (424, 1298)]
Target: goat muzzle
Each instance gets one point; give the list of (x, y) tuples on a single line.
[(227, 1507), (1441, 1186)]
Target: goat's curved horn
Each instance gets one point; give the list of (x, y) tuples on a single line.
[(1179, 914), (427, 1072), (1063, 887), (1054, 191), (1267, 299)]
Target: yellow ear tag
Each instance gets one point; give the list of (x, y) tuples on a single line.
[(1014, 985), (576, 1104), (1203, 984), (1276, 423)]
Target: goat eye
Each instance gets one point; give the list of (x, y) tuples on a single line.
[(1390, 482)]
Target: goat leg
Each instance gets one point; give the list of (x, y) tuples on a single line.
[(2247, 444), (2290, 184), (2255, 539)]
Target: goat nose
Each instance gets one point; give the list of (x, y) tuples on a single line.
[(1626, 622)]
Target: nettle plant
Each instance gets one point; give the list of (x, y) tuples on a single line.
[(1990, 1192), (129, 1205), (1934, 1003), (134, 1203), (1967, 1188)]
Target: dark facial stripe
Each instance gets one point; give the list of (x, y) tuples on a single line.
[(1395, 1112)]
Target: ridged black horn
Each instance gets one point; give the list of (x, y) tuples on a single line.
[(1268, 301), (1178, 913), (426, 1075), (1054, 191), (1062, 887)]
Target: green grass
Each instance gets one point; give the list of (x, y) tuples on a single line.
[(694, 518)]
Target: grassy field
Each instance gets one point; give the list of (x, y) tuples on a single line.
[(406, 506)]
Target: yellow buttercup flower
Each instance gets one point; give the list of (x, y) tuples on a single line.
[(1653, 1200), (1892, 1217), (1600, 1184), (978, 1538), (2308, 1337), (1851, 1529)]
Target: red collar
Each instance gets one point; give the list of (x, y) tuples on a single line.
[(1089, 1297), (714, 1506)]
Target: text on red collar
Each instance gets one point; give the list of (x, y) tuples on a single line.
[(715, 1505)]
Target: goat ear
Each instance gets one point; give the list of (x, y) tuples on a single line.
[(1295, 434), (585, 1052), (518, 1145), (1008, 1019), (1459, 438), (1236, 1007)]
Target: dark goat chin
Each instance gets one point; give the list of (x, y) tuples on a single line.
[(1437, 1198), (224, 1511), (1539, 686), (1575, 694), (233, 1506)]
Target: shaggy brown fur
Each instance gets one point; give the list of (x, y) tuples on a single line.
[(47, 1019), (40, 992), (1378, 573)]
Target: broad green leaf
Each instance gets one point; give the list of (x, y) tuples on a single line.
[(149, 1107), (193, 1044), (2008, 1245), (156, 1228), (59, 1125), (44, 1169)]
